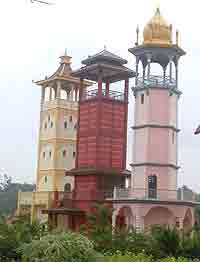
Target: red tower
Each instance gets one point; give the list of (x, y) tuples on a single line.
[(102, 129)]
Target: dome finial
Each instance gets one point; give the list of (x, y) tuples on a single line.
[(157, 31)]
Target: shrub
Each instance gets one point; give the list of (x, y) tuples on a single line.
[(62, 247), (129, 257)]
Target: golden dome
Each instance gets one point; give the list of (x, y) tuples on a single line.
[(157, 31)]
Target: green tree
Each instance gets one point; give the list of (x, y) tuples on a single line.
[(12, 236)]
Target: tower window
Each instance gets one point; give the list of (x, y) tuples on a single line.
[(49, 118), (43, 154), (74, 154), (51, 124), (67, 187), (152, 186), (70, 119), (65, 124), (50, 154), (64, 153), (173, 137), (45, 179), (142, 98)]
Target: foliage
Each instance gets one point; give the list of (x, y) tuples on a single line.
[(166, 241), (99, 227), (62, 247), (129, 257), (13, 235)]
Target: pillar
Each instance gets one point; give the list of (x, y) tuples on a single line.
[(126, 86), (100, 85), (164, 76), (170, 70), (58, 90), (76, 94), (50, 93), (136, 70), (143, 75), (148, 67), (107, 88), (43, 94), (176, 75)]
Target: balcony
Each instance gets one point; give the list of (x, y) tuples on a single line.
[(156, 81), (160, 195), (114, 95)]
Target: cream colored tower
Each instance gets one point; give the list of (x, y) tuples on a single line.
[(58, 125), (57, 140)]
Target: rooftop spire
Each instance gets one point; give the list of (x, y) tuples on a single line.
[(65, 59)]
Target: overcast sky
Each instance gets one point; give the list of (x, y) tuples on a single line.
[(33, 36)]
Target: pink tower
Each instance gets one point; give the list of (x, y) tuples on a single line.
[(153, 197)]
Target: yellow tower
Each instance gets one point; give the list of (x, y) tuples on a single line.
[(57, 139)]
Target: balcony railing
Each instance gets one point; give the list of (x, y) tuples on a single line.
[(115, 95), (156, 81), (162, 195), (50, 199)]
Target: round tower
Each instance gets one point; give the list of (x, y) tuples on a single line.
[(155, 161)]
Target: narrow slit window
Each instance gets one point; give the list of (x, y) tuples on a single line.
[(173, 137), (64, 153), (74, 154), (142, 99), (65, 124)]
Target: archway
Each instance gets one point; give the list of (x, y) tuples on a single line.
[(187, 221), (67, 187), (158, 216), (124, 219)]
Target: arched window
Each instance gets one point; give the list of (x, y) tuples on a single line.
[(45, 179), (49, 154), (43, 154), (152, 186), (70, 119), (74, 154), (51, 124), (67, 187), (65, 124)]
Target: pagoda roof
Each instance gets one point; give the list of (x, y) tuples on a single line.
[(104, 56), (109, 72), (62, 73)]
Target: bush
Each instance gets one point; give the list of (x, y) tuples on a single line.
[(62, 247), (129, 257)]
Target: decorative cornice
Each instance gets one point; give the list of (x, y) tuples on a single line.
[(156, 126), (155, 165)]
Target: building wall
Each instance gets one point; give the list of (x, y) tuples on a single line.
[(155, 140), (102, 134), (57, 144)]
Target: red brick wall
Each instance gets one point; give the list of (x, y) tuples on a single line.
[(101, 142)]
